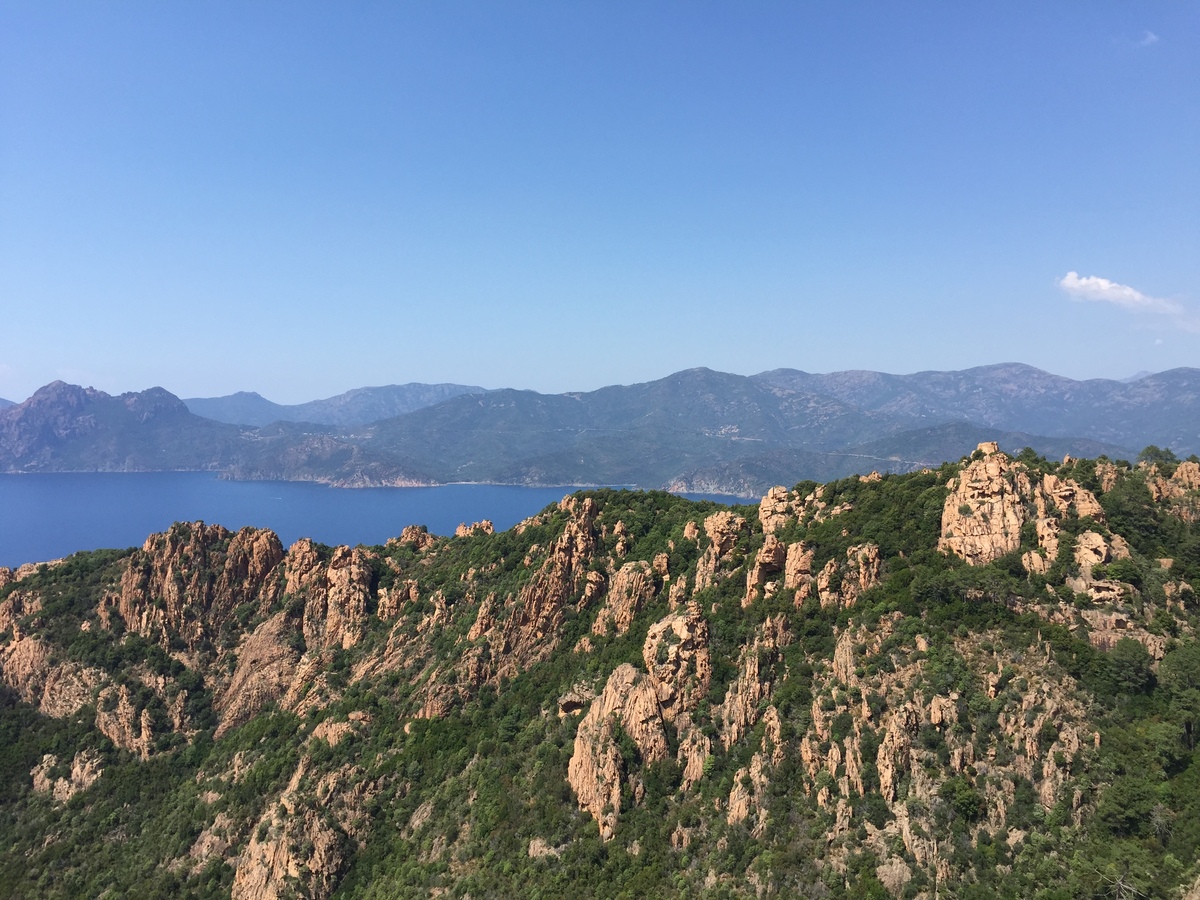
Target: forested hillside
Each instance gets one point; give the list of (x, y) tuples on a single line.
[(976, 681), (696, 431)]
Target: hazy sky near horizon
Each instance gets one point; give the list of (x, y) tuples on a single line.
[(302, 198)]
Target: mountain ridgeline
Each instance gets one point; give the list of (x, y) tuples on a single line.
[(980, 680), (361, 406), (698, 430)]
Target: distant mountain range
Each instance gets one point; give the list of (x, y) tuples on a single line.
[(357, 407), (696, 430), (4, 404)]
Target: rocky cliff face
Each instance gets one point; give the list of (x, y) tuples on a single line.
[(598, 770), (187, 582), (630, 588), (642, 706), (85, 770), (622, 675), (994, 497), (1001, 493), (985, 508)]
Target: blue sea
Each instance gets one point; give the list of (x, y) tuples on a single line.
[(48, 516)]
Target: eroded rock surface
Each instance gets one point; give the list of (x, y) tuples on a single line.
[(762, 580), (723, 530), (86, 769), (266, 667), (631, 588), (984, 512), (597, 770), (186, 582)]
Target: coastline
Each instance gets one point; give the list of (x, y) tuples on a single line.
[(368, 483)]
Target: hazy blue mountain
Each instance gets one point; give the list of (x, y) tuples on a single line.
[(695, 430), (67, 428), (242, 408), (351, 409), (4, 404), (1162, 409)]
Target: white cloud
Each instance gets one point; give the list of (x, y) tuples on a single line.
[(1147, 39), (1092, 287)]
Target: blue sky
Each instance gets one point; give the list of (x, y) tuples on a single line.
[(301, 198)]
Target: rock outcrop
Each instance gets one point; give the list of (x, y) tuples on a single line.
[(86, 769), (904, 721), (741, 708), (723, 530), (597, 770), (266, 667), (631, 588), (302, 840), (880, 709), (768, 564), (1180, 492), (531, 632), (798, 571), (748, 797), (676, 656), (123, 723), (335, 592), (415, 536), (984, 512), (465, 530), (186, 583), (775, 509), (56, 687), (992, 499), (841, 585), (639, 705)]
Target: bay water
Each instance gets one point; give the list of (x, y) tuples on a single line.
[(47, 516)]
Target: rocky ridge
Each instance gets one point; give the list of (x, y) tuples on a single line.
[(670, 680)]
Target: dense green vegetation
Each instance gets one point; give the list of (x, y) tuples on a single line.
[(475, 801)]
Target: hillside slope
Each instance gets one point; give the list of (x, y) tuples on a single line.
[(1162, 409), (64, 427), (980, 678), (695, 430), (357, 407)]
